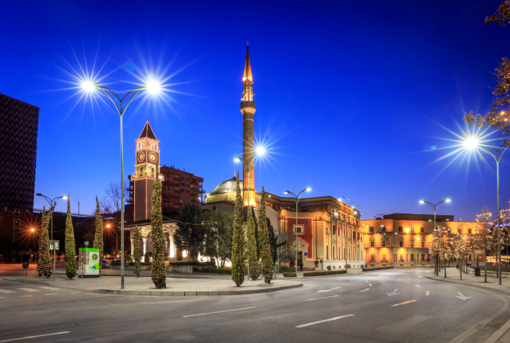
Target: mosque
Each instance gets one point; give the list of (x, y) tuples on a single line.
[(325, 230)]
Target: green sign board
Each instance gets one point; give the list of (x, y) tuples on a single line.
[(90, 261)]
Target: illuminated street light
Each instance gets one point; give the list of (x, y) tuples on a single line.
[(473, 143), (121, 104), (52, 202), (296, 199)]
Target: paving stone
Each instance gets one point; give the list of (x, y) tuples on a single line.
[(202, 293), (190, 293)]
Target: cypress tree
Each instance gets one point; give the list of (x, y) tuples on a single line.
[(98, 238), (158, 239), (265, 247), (238, 239), (253, 261), (137, 251), (70, 243), (44, 262)]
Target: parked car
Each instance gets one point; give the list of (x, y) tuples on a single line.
[(105, 264)]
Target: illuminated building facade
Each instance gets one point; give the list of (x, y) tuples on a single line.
[(403, 239)]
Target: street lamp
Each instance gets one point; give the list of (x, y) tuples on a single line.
[(153, 87), (472, 143), (296, 199), (434, 208), (52, 202)]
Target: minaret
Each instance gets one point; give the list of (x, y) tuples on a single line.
[(248, 110)]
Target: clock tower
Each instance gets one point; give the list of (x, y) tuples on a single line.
[(147, 158)]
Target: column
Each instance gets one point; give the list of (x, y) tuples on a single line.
[(144, 246), (132, 247)]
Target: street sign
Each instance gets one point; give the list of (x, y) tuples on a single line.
[(56, 243), (86, 243), (306, 254)]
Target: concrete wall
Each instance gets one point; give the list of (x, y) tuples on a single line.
[(176, 268)]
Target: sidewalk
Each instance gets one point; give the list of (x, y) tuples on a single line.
[(180, 285)]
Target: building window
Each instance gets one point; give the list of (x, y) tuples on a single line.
[(383, 243), (469, 231), (327, 231), (333, 253), (372, 244), (400, 229), (298, 229), (422, 257), (327, 252), (383, 229), (423, 244), (421, 229), (334, 229), (371, 229), (412, 257), (412, 229)]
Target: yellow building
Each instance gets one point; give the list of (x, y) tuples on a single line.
[(403, 239)]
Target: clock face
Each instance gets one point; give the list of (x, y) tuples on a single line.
[(141, 156), (153, 157)]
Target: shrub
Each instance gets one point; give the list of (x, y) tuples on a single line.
[(319, 273), (215, 270), (290, 274), (347, 266), (130, 259), (287, 269)]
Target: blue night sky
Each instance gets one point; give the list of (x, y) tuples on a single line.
[(352, 96)]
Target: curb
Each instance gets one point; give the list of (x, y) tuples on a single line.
[(161, 293), (195, 293), (502, 291)]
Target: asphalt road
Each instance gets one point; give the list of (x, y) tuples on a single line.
[(346, 308)]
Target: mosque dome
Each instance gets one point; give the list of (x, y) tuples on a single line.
[(228, 186)]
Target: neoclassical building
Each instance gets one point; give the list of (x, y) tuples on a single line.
[(403, 239)]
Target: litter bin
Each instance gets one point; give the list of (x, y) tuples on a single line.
[(477, 271)]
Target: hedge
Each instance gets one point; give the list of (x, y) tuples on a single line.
[(319, 273), (129, 264), (215, 270), (287, 269), (290, 274)]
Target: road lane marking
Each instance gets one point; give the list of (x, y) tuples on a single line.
[(462, 296), (322, 321), (333, 296), (418, 286), (421, 276), (203, 314), (327, 290), (394, 293), (407, 302), (29, 289), (370, 284), (427, 293), (28, 337), (74, 292), (6, 291), (364, 290)]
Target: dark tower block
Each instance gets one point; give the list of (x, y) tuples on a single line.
[(248, 110), (147, 158), (18, 151)]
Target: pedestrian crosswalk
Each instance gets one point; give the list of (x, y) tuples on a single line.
[(26, 292)]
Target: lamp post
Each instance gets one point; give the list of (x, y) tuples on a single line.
[(374, 231), (496, 152), (296, 199), (153, 87), (52, 202), (434, 208), (259, 151), (391, 247)]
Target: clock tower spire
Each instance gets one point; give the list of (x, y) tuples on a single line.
[(248, 109), (147, 158)]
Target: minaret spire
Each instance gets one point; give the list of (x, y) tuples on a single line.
[(248, 109)]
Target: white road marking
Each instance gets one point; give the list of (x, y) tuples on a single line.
[(406, 282), (333, 296), (29, 289), (407, 302), (327, 290), (50, 288), (370, 284), (203, 314), (322, 321), (28, 337), (392, 294), (421, 276), (462, 296), (418, 286), (364, 290), (427, 293), (74, 292), (6, 291)]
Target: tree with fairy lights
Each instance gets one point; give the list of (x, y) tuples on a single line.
[(238, 239), (70, 243), (98, 238), (265, 247), (158, 239), (44, 261), (137, 251), (253, 262)]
